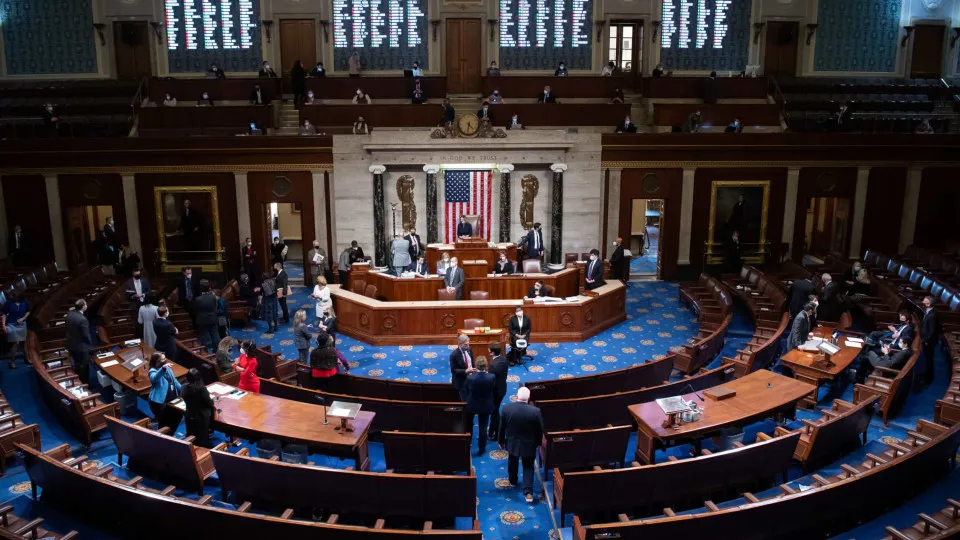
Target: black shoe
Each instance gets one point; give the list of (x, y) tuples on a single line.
[(480, 452)]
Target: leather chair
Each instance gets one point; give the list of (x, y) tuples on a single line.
[(569, 258), (443, 294), (359, 286), (479, 295), (585, 256), (550, 289), (474, 221), (469, 324), (531, 266), (370, 291)]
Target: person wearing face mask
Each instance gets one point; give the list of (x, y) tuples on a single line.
[(248, 258), (626, 126), (169, 100), (361, 98), (561, 70), (515, 122), (50, 119), (534, 242), (418, 96), (519, 335), (278, 251), (608, 70), (360, 127), (417, 71), (188, 289), (462, 363), (419, 267), (484, 112), (318, 71), (215, 72), (298, 81), (416, 246), (495, 98), (618, 260), (307, 128), (205, 100), (453, 279), (594, 274), (537, 291), (267, 71), (309, 100), (256, 96), (504, 266), (137, 290), (493, 70), (319, 263), (547, 96), (443, 264)]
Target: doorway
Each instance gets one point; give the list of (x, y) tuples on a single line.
[(626, 49), (463, 56), (780, 49), (285, 221), (926, 62), (84, 229), (298, 41), (646, 222), (131, 41), (827, 227)]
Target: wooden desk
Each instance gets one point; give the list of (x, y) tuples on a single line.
[(189, 116), (810, 368), (377, 87), (759, 395), (577, 86), (717, 115), (483, 340), (692, 87), (255, 416), (188, 91), (376, 115), (466, 252), (560, 114), (124, 377), (424, 289), (436, 323)]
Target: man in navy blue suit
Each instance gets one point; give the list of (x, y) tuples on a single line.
[(419, 266), (478, 394), (534, 242), (464, 229), (521, 431)]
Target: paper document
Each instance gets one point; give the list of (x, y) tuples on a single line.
[(179, 403), (105, 355), (854, 339), (236, 394), (136, 362), (111, 363), (219, 389), (853, 344), (339, 411)]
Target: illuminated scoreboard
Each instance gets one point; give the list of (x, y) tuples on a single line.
[(200, 32), (539, 34), (705, 34), (387, 34)]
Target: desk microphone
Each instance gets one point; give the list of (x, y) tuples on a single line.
[(322, 401), (690, 386)]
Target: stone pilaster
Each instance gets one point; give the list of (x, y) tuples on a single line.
[(505, 170), (433, 226), (556, 226), (379, 239)]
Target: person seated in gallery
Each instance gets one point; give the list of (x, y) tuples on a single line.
[(736, 126), (419, 267), (657, 71), (484, 112), (708, 92), (515, 122), (254, 129), (493, 70), (169, 100), (893, 334), (692, 125), (464, 229), (617, 96), (626, 126), (257, 97), (924, 128), (266, 71), (418, 96), (609, 69), (495, 98), (537, 291), (215, 72), (504, 266), (318, 71), (360, 127), (205, 100), (547, 96), (417, 71), (307, 128), (310, 99), (361, 98), (561, 70), (889, 356)]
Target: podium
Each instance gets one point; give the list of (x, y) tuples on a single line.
[(472, 249)]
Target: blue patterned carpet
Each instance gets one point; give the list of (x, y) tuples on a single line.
[(656, 321)]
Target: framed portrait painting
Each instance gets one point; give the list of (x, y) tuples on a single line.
[(739, 206), (188, 227)]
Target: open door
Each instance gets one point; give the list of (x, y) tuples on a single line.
[(626, 49)]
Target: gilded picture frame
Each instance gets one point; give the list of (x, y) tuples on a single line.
[(188, 239), (740, 205)]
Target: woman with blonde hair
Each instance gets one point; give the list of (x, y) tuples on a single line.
[(321, 296), (301, 334)]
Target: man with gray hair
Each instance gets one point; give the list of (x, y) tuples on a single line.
[(521, 430), (830, 306), (461, 363)]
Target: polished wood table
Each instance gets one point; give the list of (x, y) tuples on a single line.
[(760, 394), (256, 416), (421, 323), (470, 252), (692, 87), (424, 288), (124, 377), (812, 368)]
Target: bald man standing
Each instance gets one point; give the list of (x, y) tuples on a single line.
[(521, 430)]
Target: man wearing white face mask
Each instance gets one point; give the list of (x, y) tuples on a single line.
[(594, 273), (453, 278), (519, 335), (267, 71), (617, 261)]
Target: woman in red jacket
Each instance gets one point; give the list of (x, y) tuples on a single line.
[(247, 366)]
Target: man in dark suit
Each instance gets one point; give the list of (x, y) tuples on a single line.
[(419, 266), (166, 334), (205, 317), (110, 233), (627, 126), (893, 334), (594, 273), (188, 289), (732, 254), (801, 327), (709, 91), (618, 261), (454, 278), (534, 242), (215, 72), (499, 367), (137, 290), (461, 363), (929, 337), (547, 96), (478, 391), (890, 356), (830, 304), (78, 340), (519, 330), (257, 96), (266, 71), (521, 431), (416, 246), (537, 291), (464, 229), (191, 227), (282, 281), (800, 291), (504, 266), (18, 246)]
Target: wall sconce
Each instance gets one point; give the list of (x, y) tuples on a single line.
[(326, 31), (435, 23), (906, 37), (99, 27), (656, 30), (156, 30), (600, 25), (811, 30), (956, 35), (757, 30), (493, 23), (267, 24)]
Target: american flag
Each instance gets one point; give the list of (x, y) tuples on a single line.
[(467, 193)]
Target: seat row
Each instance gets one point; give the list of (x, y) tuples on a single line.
[(714, 308), (914, 282)]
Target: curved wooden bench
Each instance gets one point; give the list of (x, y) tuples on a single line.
[(359, 385), (649, 373), (406, 451), (762, 350), (935, 525), (841, 429), (584, 448), (14, 431), (892, 386)]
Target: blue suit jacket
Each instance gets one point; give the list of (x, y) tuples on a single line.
[(464, 229), (534, 252), (160, 381), (422, 270), (478, 392)]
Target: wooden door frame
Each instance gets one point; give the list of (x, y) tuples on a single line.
[(847, 235), (446, 38), (638, 56), (799, 68), (944, 53), (317, 47), (260, 195), (798, 53), (151, 38)]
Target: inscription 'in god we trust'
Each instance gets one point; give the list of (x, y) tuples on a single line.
[(472, 158)]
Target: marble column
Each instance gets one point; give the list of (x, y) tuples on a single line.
[(686, 215), (56, 220), (319, 211), (505, 170), (911, 203), (433, 226), (790, 208), (379, 223), (859, 209), (556, 229), (613, 208), (130, 206), (243, 205)]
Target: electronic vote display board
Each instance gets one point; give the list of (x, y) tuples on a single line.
[(387, 34), (705, 34), (201, 32), (539, 34)]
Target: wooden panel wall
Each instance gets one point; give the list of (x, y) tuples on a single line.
[(226, 196), (25, 200), (881, 220), (938, 210), (670, 190), (261, 190), (840, 182), (78, 190)]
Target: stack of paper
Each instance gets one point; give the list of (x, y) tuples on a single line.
[(111, 363), (219, 389)]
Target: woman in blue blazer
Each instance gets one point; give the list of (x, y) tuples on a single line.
[(164, 387)]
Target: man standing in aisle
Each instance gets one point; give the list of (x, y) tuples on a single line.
[(282, 289), (78, 340), (521, 430), (499, 367)]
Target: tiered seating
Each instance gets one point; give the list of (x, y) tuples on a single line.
[(515, 88), (942, 524), (188, 91), (841, 429), (407, 452), (34, 284), (413, 416), (891, 385), (119, 321), (580, 449), (85, 108), (913, 282), (129, 504), (50, 318), (838, 502), (642, 490), (14, 431), (766, 299), (762, 350), (649, 373), (714, 308), (947, 409), (718, 114), (358, 385), (14, 526), (221, 120), (236, 308)]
